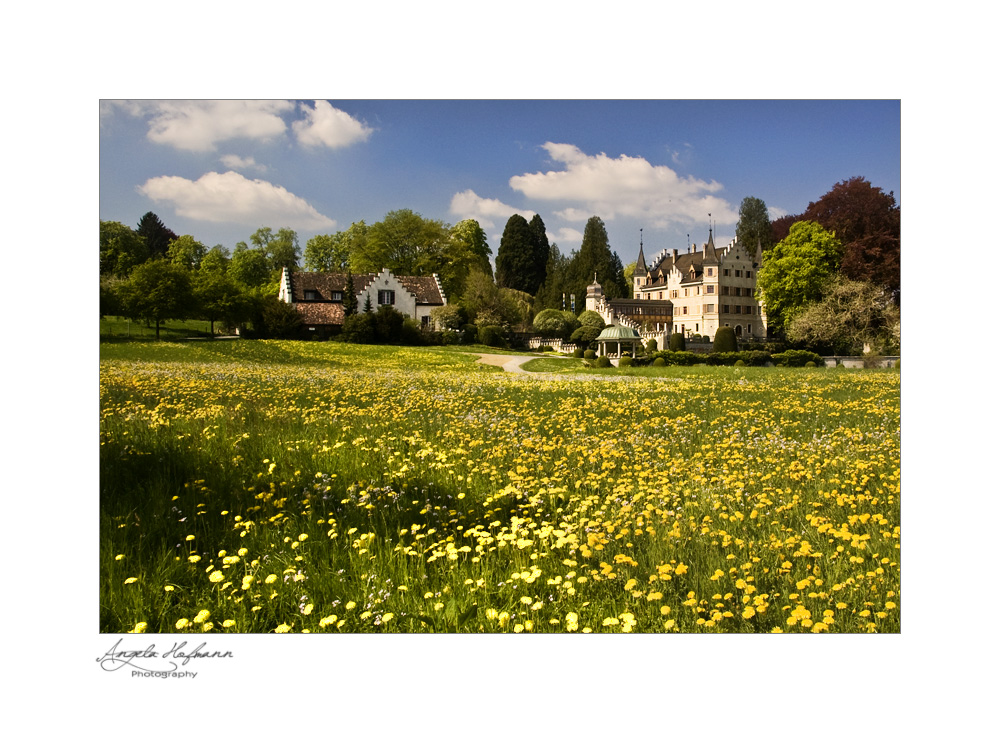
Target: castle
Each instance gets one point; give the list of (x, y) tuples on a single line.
[(696, 292)]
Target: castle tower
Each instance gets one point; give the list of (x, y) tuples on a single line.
[(640, 276), (595, 295)]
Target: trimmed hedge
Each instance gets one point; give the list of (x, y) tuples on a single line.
[(625, 361), (589, 354), (603, 362), (796, 358), (725, 340), (677, 342)]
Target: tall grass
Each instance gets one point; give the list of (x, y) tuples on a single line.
[(285, 486)]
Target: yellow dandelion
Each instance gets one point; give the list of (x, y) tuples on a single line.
[(119, 557), (181, 624), (270, 578), (139, 628), (202, 616), (130, 580), (216, 576), (282, 629)]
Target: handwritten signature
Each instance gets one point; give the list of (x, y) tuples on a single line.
[(150, 662)]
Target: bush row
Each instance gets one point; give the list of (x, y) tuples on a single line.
[(757, 357)]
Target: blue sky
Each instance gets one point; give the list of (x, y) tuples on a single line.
[(218, 170)]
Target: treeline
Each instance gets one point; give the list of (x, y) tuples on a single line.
[(152, 273), (830, 279)]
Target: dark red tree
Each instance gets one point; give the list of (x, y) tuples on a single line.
[(867, 221)]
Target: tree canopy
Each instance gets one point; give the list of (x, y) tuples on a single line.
[(328, 253), (157, 290), (516, 261), (867, 221), (121, 249), (155, 233), (851, 315), (796, 270), (754, 226)]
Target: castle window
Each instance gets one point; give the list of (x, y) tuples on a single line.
[(387, 297), (685, 310), (710, 271), (725, 309), (311, 294), (336, 296), (738, 273), (710, 307), (726, 273), (710, 290)]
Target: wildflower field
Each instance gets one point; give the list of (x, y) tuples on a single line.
[(321, 487)]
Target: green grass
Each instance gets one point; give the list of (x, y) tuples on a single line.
[(118, 328), (272, 485)]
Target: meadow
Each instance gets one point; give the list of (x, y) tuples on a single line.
[(260, 487)]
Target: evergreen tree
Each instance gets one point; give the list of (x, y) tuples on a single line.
[(516, 257), (351, 297), (596, 258), (754, 227), (540, 247), (156, 234)]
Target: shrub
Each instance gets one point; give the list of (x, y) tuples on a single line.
[(359, 328), (470, 333), (677, 342), (896, 365), (603, 362), (686, 358), (658, 362), (450, 338), (795, 358), (725, 340), (578, 353), (491, 336), (589, 354), (592, 319), (625, 361), (740, 363), (810, 364)]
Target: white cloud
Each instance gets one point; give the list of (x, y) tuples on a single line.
[(229, 197), (235, 162), (567, 239), (775, 212), (326, 125), (488, 212), (596, 185), (198, 125)]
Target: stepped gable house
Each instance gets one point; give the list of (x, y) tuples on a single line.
[(694, 293), (319, 296)]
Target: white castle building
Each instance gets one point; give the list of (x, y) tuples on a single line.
[(692, 293)]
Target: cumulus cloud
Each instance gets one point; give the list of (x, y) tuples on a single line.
[(198, 125), (229, 197), (488, 212), (567, 238), (596, 185), (775, 212), (235, 162), (326, 125)]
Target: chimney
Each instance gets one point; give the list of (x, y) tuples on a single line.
[(675, 255)]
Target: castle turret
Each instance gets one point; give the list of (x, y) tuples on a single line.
[(640, 275)]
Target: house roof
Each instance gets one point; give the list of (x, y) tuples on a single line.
[(425, 289)]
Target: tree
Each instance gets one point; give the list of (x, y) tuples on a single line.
[(155, 233), (216, 258), (867, 221), (283, 250), (157, 290), (350, 297), (555, 324), (404, 242), (516, 261), (595, 257), (328, 253), (277, 319), (472, 239), (550, 293), (121, 249), (249, 267), (852, 314), (540, 245), (796, 270), (592, 319), (781, 226), (218, 298), (754, 227), (186, 251)]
